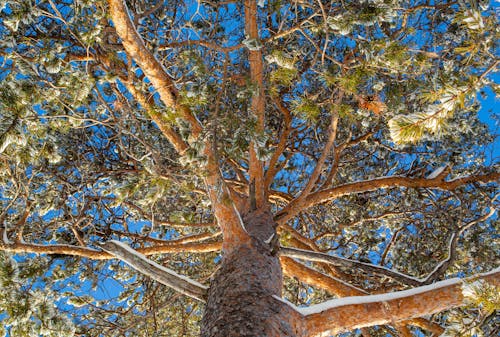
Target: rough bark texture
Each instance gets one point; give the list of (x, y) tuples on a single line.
[(240, 299)]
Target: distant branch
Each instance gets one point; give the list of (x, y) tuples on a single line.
[(441, 268), (202, 43), (324, 155), (287, 120), (380, 270)]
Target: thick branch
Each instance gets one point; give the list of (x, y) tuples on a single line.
[(339, 288), (293, 208), (135, 48), (158, 273), (343, 314), (225, 211), (313, 277)]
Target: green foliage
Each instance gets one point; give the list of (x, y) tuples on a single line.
[(307, 109), (29, 312), (413, 127)]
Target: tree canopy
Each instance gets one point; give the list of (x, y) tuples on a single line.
[(158, 123)]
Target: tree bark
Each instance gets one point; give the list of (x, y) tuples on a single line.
[(243, 299)]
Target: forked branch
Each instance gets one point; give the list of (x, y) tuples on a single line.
[(224, 208)]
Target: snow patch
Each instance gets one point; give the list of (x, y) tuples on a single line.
[(284, 300), (434, 174), (268, 241), (469, 289)]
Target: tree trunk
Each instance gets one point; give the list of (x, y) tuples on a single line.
[(240, 299)]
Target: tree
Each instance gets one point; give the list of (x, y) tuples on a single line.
[(248, 161)]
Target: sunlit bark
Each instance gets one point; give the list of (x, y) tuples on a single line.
[(363, 311), (256, 169), (225, 210)]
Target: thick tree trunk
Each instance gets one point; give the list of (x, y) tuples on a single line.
[(240, 299)]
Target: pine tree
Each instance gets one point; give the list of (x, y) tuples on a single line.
[(247, 168)]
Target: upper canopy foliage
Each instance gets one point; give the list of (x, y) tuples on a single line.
[(388, 87)]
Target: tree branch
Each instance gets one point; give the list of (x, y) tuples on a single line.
[(90, 253), (166, 129), (343, 314), (153, 270), (315, 278), (332, 135), (256, 167), (303, 242), (380, 270), (136, 49), (294, 207), (441, 268), (272, 168), (223, 206), (337, 287)]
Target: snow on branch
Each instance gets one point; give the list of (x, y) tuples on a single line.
[(439, 172), (158, 273), (334, 316)]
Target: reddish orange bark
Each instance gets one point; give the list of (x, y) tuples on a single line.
[(313, 277), (372, 310), (256, 169), (242, 297), (225, 210)]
